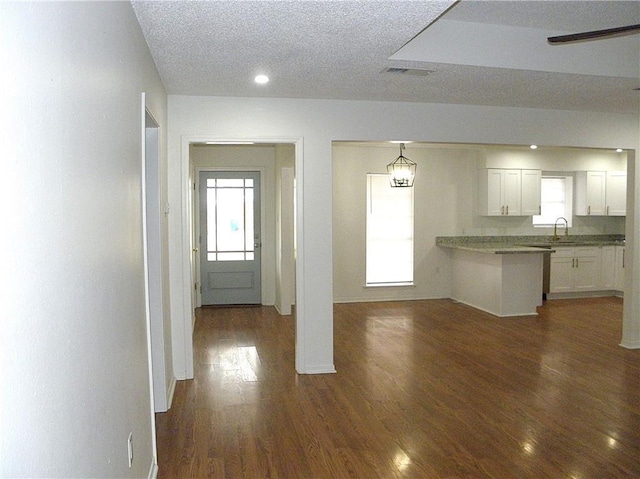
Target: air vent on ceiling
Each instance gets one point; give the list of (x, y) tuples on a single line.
[(408, 71)]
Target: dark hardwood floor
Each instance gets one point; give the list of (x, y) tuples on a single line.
[(424, 389)]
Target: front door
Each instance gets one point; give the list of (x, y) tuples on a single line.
[(230, 237)]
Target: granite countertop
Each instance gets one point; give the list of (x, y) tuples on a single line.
[(498, 248), (524, 244)]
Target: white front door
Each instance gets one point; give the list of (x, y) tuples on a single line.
[(230, 237)]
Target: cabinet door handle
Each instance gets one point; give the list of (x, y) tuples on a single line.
[(502, 210), (589, 209), (507, 210), (539, 209), (573, 262), (577, 265)]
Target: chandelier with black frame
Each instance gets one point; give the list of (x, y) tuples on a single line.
[(402, 171)]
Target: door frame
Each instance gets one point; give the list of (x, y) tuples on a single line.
[(182, 330), (150, 162), (196, 225)]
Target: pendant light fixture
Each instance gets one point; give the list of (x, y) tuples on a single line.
[(401, 171)]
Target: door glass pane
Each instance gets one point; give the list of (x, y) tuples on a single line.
[(248, 204), (211, 219), (230, 217), (230, 182), (230, 256)]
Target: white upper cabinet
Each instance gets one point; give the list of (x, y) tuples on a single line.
[(512, 187), (590, 193), (491, 190), (508, 192), (601, 193), (531, 199), (616, 193)]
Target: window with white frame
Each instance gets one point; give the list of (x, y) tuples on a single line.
[(556, 197), (389, 236)]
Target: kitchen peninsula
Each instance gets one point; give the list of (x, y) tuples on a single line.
[(507, 275), (498, 275)]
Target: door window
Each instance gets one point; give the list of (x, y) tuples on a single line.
[(230, 217)]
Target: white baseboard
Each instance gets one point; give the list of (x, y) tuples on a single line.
[(383, 299), (630, 344), (493, 313), (583, 294), (284, 311), (319, 369), (171, 391), (153, 471)]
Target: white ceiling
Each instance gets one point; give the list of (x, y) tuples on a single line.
[(478, 52)]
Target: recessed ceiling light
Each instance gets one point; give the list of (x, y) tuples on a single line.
[(534, 147), (261, 79), (619, 150)]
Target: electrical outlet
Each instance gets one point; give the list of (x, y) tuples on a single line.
[(130, 448)]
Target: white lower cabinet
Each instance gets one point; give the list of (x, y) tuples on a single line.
[(619, 269), (609, 267), (561, 279), (575, 269)]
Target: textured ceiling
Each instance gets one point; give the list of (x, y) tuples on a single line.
[(339, 50)]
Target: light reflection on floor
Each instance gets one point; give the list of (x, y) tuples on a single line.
[(243, 360), (401, 460)]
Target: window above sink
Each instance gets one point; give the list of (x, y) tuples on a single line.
[(556, 198)]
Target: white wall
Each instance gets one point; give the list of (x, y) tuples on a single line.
[(316, 123), (553, 158), (74, 363), (445, 204), (441, 196)]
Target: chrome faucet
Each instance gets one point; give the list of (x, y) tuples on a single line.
[(555, 228)]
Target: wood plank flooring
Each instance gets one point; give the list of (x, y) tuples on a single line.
[(424, 389)]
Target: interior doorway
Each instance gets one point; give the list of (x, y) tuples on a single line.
[(274, 230), (288, 156), (153, 259)]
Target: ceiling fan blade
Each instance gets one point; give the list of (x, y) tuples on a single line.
[(575, 37)]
